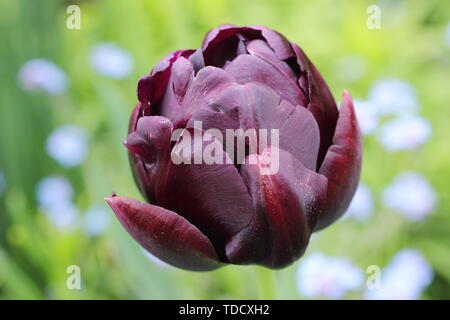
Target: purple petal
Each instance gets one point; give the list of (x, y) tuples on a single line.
[(286, 202), (342, 164), (322, 104), (165, 234)]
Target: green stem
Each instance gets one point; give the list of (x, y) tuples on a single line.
[(266, 284)]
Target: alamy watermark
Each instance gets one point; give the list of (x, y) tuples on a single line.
[(73, 281), (73, 21), (374, 18), (373, 281)]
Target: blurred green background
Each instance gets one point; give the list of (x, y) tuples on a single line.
[(413, 44)]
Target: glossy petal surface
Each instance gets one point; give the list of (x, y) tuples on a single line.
[(165, 234)]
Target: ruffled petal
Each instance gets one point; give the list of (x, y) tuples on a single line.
[(165, 234), (342, 164)]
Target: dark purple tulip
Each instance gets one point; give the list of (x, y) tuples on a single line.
[(200, 216)]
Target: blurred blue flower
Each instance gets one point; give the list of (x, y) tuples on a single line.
[(406, 276), (54, 195), (2, 183), (68, 145), (410, 195), (367, 114), (53, 189), (393, 96), (111, 61), (361, 207), (447, 35), (351, 67), (95, 220), (405, 133), (322, 276), (154, 259), (62, 215), (42, 74)]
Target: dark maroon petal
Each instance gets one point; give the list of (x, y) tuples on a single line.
[(276, 41), (149, 148), (322, 104), (213, 197), (165, 234), (248, 68), (342, 164), (152, 87), (285, 201), (298, 131)]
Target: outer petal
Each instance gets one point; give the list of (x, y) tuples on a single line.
[(322, 104), (280, 230), (342, 164), (165, 234)]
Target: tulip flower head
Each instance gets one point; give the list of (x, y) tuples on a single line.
[(240, 152)]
